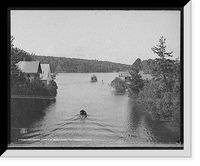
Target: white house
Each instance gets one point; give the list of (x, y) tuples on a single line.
[(45, 76), (124, 75)]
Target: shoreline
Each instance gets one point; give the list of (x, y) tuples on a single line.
[(32, 97)]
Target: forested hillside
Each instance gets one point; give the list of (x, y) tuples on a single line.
[(76, 65), (67, 65)]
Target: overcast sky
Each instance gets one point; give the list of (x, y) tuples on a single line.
[(113, 35)]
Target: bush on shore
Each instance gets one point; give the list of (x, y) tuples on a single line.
[(34, 88), (119, 85), (162, 105), (159, 96)]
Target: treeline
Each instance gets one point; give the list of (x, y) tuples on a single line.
[(75, 65), (160, 96), (146, 65)]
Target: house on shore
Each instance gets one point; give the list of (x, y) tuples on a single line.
[(30, 69), (124, 75), (45, 76)]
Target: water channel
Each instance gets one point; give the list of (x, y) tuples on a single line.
[(113, 120)]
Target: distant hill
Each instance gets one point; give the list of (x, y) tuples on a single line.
[(76, 65), (71, 65)]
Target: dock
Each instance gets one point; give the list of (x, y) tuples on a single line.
[(32, 97)]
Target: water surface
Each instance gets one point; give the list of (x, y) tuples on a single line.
[(113, 119)]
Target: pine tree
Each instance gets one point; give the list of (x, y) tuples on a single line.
[(16, 74), (136, 83), (137, 64), (164, 68)]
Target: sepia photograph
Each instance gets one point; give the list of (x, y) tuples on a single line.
[(96, 79)]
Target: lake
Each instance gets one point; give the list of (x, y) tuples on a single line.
[(113, 119)]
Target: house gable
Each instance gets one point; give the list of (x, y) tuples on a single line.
[(45, 76), (124, 74), (30, 67)]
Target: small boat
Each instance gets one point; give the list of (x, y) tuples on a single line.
[(94, 78), (83, 113)]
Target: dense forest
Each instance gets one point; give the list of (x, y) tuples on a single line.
[(75, 65)]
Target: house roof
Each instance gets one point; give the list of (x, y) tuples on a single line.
[(45, 71), (29, 66), (127, 74), (124, 74)]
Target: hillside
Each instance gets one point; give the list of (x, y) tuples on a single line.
[(75, 65), (70, 65)]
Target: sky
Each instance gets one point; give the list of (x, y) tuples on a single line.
[(111, 35)]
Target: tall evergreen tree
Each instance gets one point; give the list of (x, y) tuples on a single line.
[(136, 83), (164, 67), (137, 64), (16, 74)]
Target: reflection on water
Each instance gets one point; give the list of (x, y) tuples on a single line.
[(137, 126), (141, 126), (24, 112), (113, 119)]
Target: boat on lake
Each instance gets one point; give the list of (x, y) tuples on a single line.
[(94, 78)]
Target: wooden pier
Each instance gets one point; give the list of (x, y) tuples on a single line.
[(32, 97)]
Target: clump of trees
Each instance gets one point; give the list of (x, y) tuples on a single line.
[(162, 105), (35, 88), (161, 95), (147, 65), (136, 83), (75, 65), (119, 85)]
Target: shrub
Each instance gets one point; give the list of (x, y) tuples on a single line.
[(161, 104), (136, 83), (34, 88), (161, 95), (119, 85), (52, 87)]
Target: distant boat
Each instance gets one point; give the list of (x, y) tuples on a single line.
[(94, 78)]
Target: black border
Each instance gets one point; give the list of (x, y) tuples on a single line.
[(149, 7), (132, 148), (8, 78)]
